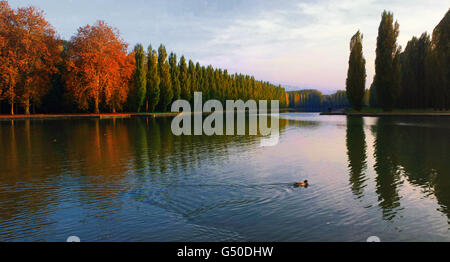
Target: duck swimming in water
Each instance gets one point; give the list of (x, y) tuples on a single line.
[(302, 184)]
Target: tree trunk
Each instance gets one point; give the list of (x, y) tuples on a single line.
[(146, 106), (11, 98), (97, 111), (27, 106)]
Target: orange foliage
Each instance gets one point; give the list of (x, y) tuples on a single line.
[(8, 60), (38, 51), (29, 52), (99, 69)]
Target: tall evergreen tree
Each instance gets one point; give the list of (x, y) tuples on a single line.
[(174, 76), (185, 82), (386, 71), (356, 75), (140, 86), (152, 98), (165, 83)]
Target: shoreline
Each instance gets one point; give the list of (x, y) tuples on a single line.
[(418, 114), (85, 116), (97, 116), (172, 114)]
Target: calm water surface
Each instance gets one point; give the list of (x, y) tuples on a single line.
[(132, 180)]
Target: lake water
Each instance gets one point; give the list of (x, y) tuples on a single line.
[(132, 180)]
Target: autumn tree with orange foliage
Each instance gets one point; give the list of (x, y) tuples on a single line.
[(99, 69), (8, 60), (29, 52), (38, 52)]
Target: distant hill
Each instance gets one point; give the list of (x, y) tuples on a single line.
[(294, 88), (288, 88)]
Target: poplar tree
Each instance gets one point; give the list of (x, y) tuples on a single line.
[(386, 62), (373, 101), (438, 68), (185, 83), (174, 76), (210, 85), (356, 75), (198, 75), (140, 87), (153, 91), (165, 83), (193, 77)]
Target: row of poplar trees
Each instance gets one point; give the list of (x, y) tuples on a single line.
[(416, 78), (158, 81), (95, 72)]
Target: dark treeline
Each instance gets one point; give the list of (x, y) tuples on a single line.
[(313, 100), (94, 72), (415, 78)]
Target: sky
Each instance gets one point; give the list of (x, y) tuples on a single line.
[(298, 44)]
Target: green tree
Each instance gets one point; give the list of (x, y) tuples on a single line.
[(193, 78), (373, 102), (174, 76), (152, 80), (438, 68), (413, 88), (356, 75), (396, 75), (386, 62), (165, 83), (140, 86), (199, 76), (185, 82)]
